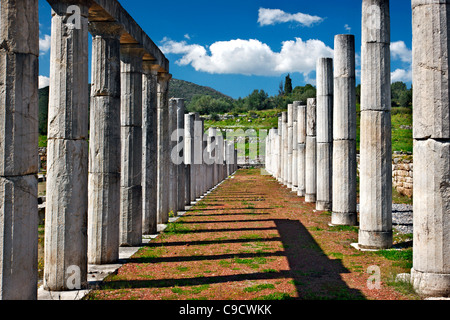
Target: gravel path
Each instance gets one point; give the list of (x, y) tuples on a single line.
[(402, 218)]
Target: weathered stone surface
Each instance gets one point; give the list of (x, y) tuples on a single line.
[(18, 238), (344, 183), (284, 139), (431, 219), (189, 152), (131, 223), (376, 180), (66, 212), (324, 191), (149, 148), (310, 169), (181, 184), (375, 21), (290, 134), (430, 45), (311, 114), (173, 172)]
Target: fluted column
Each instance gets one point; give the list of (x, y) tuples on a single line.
[(181, 175), (173, 171), (18, 149), (104, 145), (189, 120), (344, 132), (311, 154), (301, 137), (290, 135), (431, 258), (324, 133), (149, 147), (163, 148), (376, 143), (67, 151), (294, 173), (284, 136)]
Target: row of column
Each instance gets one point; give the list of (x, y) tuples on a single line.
[(101, 194), (430, 275)]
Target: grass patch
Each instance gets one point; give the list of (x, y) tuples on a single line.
[(276, 296), (259, 287), (402, 258), (343, 228)]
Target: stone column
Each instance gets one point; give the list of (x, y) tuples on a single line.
[(324, 133), (431, 261), (18, 149), (294, 147), (280, 149), (189, 120), (212, 153), (131, 146), (104, 145), (173, 171), (163, 148), (290, 135), (284, 135), (344, 132), (180, 151), (149, 147), (310, 153), (376, 149), (198, 154), (67, 151), (301, 124)]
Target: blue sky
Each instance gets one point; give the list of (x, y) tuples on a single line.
[(238, 46)]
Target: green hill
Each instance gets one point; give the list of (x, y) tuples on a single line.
[(187, 90)]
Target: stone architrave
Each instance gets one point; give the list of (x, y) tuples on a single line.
[(344, 132), (376, 143), (18, 149), (104, 145), (67, 151), (430, 274)]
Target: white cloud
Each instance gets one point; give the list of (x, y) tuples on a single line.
[(249, 57), (269, 17), (187, 36), (44, 82), (404, 75), (44, 44), (401, 52), (347, 27)]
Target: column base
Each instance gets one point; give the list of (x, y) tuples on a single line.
[(301, 192), (310, 198), (323, 206), (344, 219), (431, 284), (375, 239)]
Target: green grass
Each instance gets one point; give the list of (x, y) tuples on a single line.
[(402, 258), (259, 287)]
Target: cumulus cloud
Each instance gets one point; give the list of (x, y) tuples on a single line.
[(404, 75), (269, 17), (44, 82), (401, 52), (249, 57), (44, 44)]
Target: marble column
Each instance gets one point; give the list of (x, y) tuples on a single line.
[(344, 132), (431, 254), (310, 152), (131, 145), (18, 149), (294, 147), (189, 121), (163, 148), (376, 143), (301, 137), (198, 154), (104, 145), (290, 135), (173, 172), (149, 147), (324, 134), (181, 168), (284, 136), (280, 149), (67, 152)]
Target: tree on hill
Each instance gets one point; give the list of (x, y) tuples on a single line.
[(288, 85)]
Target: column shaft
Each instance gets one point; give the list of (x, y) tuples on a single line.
[(310, 153), (431, 114), (67, 151), (104, 145), (18, 149), (376, 144), (301, 137), (181, 185)]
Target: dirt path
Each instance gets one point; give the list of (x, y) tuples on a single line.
[(251, 239)]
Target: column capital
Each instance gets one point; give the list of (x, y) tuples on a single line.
[(60, 6), (164, 77), (151, 67), (106, 29)]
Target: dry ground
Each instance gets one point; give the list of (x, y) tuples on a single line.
[(252, 239)]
